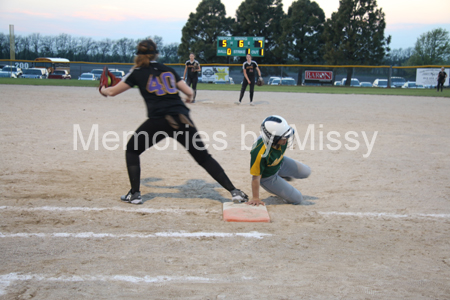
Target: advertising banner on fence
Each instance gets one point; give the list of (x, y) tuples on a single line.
[(215, 74), (319, 77), (221, 74), (208, 74), (428, 76)]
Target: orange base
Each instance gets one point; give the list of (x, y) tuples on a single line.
[(244, 213)]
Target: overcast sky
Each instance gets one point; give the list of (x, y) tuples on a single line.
[(406, 20)]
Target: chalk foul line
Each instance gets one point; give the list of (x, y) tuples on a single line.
[(381, 215), (7, 279), (252, 234), (179, 210), (114, 208)]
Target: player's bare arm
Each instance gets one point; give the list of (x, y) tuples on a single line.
[(184, 74), (256, 201), (185, 89), (245, 75), (259, 72), (115, 90)]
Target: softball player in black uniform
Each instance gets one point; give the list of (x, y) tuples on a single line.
[(168, 116), (192, 68), (249, 67)]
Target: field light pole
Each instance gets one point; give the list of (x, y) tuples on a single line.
[(12, 47)]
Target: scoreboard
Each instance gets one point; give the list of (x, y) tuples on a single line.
[(240, 46)]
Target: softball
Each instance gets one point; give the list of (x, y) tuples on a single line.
[(109, 81)]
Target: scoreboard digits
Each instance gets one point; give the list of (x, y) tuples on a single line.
[(240, 46)]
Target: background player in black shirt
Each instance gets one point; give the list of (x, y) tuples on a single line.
[(192, 68), (249, 67), (441, 79), (168, 116)]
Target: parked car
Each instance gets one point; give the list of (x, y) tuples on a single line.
[(87, 76), (365, 84), (118, 73), (382, 83), (7, 75), (60, 74), (271, 79), (354, 82), (288, 81), (409, 85), (337, 83), (35, 73), (14, 70), (98, 72), (397, 81)]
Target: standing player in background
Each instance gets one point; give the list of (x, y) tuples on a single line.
[(167, 117), (250, 67), (441, 78), (192, 68), (270, 168)]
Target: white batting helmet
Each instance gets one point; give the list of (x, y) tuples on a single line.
[(274, 129)]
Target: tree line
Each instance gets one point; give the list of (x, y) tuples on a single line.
[(353, 35), (82, 48)]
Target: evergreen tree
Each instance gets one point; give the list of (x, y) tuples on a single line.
[(262, 18), (302, 34), (355, 35), (200, 33)]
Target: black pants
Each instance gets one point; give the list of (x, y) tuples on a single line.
[(440, 84), (192, 80), (244, 87), (181, 128)]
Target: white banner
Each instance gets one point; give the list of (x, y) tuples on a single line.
[(207, 74), (428, 76)]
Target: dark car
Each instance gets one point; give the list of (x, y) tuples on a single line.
[(60, 74), (397, 82)]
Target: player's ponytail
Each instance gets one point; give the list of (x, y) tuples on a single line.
[(146, 52)]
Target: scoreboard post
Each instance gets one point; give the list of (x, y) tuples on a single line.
[(240, 46)]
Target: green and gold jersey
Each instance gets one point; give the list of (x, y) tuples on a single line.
[(265, 165)]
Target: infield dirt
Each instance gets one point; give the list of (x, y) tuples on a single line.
[(379, 228)]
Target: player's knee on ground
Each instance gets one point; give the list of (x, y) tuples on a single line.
[(303, 171)]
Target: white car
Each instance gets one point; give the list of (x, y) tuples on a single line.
[(409, 85), (87, 76), (354, 82), (271, 79), (7, 75), (288, 81), (11, 69), (365, 84), (382, 83), (35, 73)]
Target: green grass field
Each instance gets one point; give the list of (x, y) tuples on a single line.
[(266, 88)]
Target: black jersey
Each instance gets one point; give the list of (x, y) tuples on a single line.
[(441, 76), (250, 68), (190, 67), (157, 84)]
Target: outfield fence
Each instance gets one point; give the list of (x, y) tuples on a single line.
[(297, 72)]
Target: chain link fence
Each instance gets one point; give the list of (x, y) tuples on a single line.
[(296, 72)]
